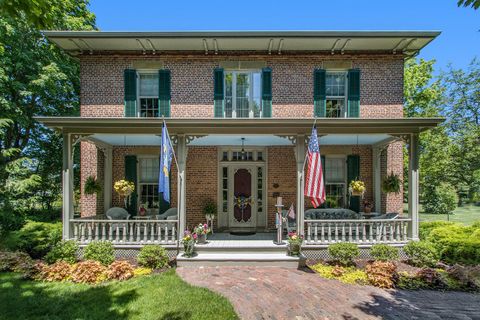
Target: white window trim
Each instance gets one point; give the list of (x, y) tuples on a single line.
[(344, 97), (140, 72), (234, 91), (140, 184), (344, 183)]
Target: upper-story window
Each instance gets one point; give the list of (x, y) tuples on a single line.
[(336, 94), (148, 94), (243, 94)]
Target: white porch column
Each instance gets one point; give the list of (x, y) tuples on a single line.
[(377, 182), (67, 186), (181, 188), (300, 157), (107, 178), (413, 188)]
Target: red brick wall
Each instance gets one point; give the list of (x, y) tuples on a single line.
[(92, 164), (192, 83), (391, 162)]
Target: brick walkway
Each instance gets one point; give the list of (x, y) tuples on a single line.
[(278, 293)]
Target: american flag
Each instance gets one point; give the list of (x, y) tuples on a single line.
[(314, 186)]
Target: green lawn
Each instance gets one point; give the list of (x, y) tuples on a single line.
[(466, 214), (161, 296)]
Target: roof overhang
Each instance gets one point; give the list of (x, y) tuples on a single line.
[(275, 126), (406, 42)]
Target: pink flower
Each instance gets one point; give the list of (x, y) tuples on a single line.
[(195, 236)]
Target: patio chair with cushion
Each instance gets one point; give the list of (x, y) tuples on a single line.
[(117, 213), (167, 214)]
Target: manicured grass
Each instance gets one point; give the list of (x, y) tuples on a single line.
[(466, 214), (161, 296)]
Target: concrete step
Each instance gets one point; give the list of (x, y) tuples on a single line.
[(264, 249), (271, 259)]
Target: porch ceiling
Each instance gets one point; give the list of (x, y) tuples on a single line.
[(260, 126), (235, 140)]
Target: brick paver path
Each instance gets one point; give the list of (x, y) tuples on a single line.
[(279, 293)]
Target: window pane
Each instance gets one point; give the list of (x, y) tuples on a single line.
[(149, 170), (335, 84), (243, 95), (335, 196), (257, 94), (335, 170), (335, 108), (149, 107), (148, 84)]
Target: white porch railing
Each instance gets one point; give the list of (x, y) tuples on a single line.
[(129, 232), (368, 231)]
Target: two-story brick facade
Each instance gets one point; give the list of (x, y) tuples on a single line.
[(239, 107)]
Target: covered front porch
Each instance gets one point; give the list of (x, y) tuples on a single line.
[(275, 169)]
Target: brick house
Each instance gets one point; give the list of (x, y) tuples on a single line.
[(239, 107)]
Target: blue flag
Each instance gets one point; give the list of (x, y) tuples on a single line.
[(166, 153)]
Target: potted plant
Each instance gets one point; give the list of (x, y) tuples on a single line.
[(92, 186), (124, 189), (142, 210), (210, 209), (294, 243), (357, 188), (391, 183), (367, 206), (201, 231), (188, 242)]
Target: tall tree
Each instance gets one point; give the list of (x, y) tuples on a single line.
[(36, 78), (475, 4)]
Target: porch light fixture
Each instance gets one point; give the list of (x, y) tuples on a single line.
[(242, 154)]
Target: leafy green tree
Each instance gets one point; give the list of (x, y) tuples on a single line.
[(475, 4), (36, 78), (462, 108)]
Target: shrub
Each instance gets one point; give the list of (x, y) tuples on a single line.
[(441, 199), (382, 274), (89, 271), (421, 253), (142, 272), (348, 275), (65, 251), (344, 253), (383, 252), (11, 221), (37, 238), (120, 270), (456, 244), (408, 281), (468, 277), (59, 271), (101, 251), (427, 227), (430, 277), (153, 256), (15, 261)]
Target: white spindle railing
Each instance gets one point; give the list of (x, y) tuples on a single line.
[(357, 231), (125, 231)]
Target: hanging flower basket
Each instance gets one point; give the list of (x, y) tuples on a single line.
[(124, 189), (356, 188)]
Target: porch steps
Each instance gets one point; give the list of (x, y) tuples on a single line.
[(240, 258)]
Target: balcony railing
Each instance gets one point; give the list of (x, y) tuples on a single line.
[(128, 232), (368, 231)]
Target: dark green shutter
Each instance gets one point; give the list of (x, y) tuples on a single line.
[(164, 88), (130, 92), (319, 95), (266, 92), (131, 175), (353, 93), (218, 94), (353, 173)]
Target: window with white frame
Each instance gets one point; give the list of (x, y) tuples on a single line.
[(243, 94), (335, 181), (148, 94), (148, 182), (336, 94)]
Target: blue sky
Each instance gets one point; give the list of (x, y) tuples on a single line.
[(458, 44)]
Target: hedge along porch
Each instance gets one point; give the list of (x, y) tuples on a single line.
[(190, 133)]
